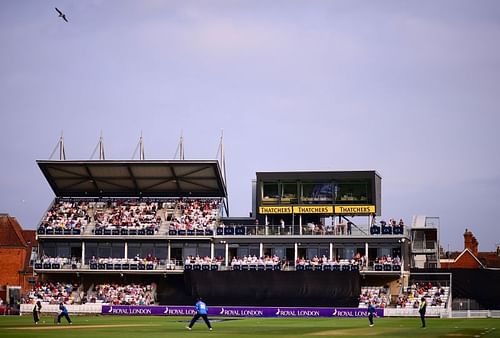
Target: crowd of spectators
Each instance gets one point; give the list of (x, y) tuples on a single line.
[(150, 261), (128, 214), (47, 262), (435, 295), (67, 214), (192, 214), (203, 260), (123, 294), (53, 293), (358, 259), (387, 228), (377, 295), (254, 260)]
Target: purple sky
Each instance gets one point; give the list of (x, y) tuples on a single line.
[(410, 89)]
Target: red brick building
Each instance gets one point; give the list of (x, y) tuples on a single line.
[(15, 252), (470, 257)]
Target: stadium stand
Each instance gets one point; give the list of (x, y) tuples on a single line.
[(435, 295), (370, 294), (54, 293), (123, 294)]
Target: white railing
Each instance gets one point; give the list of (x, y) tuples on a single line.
[(72, 309), (406, 312)]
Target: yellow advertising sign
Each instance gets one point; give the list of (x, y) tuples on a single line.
[(354, 209), (275, 210), (313, 209)]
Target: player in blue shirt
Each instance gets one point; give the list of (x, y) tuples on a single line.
[(64, 313), (371, 312), (201, 311)]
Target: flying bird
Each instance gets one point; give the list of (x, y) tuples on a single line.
[(61, 14)]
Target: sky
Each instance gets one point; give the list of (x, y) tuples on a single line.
[(407, 88)]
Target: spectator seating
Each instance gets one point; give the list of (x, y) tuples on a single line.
[(435, 295), (123, 294), (202, 263), (53, 293), (126, 217), (148, 263), (192, 217), (65, 217), (252, 263), (377, 294)]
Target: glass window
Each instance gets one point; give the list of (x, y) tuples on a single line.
[(118, 250), (204, 250), (63, 251), (104, 250), (311, 252), (352, 192), (90, 250), (270, 192), (317, 193), (49, 249), (220, 251), (289, 193), (254, 251), (134, 249), (147, 249), (242, 251), (161, 251), (324, 252), (349, 253)]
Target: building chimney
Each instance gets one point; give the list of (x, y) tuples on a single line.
[(470, 242)]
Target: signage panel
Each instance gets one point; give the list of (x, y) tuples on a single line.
[(354, 209), (236, 311)]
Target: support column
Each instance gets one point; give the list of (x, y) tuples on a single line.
[(83, 253), (331, 251), (261, 249), (227, 255), (212, 250), (296, 253), (366, 254), (126, 250), (266, 224), (300, 224), (169, 249)]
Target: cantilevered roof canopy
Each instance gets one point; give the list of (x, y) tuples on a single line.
[(136, 178)]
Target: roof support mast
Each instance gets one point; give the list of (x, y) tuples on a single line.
[(99, 145), (180, 148), (60, 145), (140, 145), (222, 160)]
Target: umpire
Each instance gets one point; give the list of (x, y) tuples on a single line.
[(421, 309), (201, 311)]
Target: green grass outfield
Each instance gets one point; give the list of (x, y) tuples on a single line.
[(151, 327)]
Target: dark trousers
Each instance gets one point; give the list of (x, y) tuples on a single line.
[(422, 318), (36, 317), (65, 315), (370, 318), (197, 316)]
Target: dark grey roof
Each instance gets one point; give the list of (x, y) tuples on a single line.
[(135, 178)]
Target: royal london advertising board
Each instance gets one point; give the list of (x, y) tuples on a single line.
[(237, 311)]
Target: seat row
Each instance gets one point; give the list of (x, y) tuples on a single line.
[(125, 266), (386, 267), (124, 232), (48, 266), (327, 267), (386, 230), (201, 267), (58, 231)]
